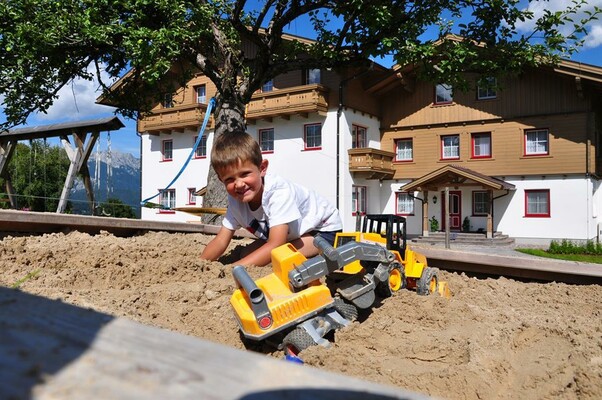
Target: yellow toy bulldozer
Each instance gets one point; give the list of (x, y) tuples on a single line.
[(294, 303), (389, 230)]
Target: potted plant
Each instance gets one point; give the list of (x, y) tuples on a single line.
[(466, 225), (434, 224)]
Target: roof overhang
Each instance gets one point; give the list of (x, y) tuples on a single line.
[(454, 175)]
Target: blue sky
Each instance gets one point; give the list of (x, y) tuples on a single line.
[(77, 100)]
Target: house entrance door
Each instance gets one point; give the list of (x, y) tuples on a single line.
[(455, 210)]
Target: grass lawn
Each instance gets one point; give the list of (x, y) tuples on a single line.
[(570, 257)]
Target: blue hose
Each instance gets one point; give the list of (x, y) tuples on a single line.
[(196, 144)]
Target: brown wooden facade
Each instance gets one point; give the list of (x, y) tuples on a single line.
[(534, 100)]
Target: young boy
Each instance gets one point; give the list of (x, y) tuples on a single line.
[(275, 210)]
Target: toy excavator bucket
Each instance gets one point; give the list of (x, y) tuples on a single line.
[(443, 290)]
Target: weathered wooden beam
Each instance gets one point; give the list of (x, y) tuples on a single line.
[(52, 350)]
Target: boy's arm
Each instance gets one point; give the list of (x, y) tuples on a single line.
[(216, 247), (262, 256)]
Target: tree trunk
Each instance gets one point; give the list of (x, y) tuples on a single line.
[(229, 117)]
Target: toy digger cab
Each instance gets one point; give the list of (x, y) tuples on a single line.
[(389, 231)]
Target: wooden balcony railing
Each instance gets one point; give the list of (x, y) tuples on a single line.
[(371, 163), (297, 100), (176, 118)]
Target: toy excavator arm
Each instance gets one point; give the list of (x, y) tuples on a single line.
[(332, 259)]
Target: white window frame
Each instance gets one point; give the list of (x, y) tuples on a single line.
[(404, 203), (167, 150), (444, 93), (535, 143), (266, 140), (313, 75), (487, 89), (167, 198), (201, 150), (312, 136), (449, 150), (201, 94)]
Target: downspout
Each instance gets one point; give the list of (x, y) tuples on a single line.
[(339, 113), (493, 208)]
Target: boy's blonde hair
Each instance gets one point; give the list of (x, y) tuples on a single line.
[(233, 148)]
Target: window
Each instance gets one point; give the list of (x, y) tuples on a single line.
[(201, 150), (167, 150), (443, 94), (168, 199), (487, 88), (313, 137), (480, 203), (536, 142), (191, 196), (358, 137), (450, 147), (201, 94), (537, 203), (168, 100), (358, 200), (481, 145), (268, 86), (266, 140), (404, 150), (312, 76), (405, 204)]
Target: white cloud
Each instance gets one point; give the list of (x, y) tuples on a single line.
[(594, 37), (76, 100)]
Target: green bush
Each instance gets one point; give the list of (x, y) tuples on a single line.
[(568, 247)]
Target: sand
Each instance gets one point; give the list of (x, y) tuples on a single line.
[(494, 339)]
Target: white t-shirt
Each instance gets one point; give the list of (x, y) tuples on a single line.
[(283, 202)]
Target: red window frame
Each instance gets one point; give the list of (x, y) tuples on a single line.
[(163, 143), (305, 127), (443, 147), (537, 215), (191, 196), (472, 146), (363, 201), (398, 160)]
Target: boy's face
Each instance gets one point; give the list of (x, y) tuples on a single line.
[(243, 181)]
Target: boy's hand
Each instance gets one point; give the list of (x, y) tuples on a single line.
[(262, 256), (216, 247)]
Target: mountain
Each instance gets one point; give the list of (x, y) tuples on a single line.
[(118, 177)]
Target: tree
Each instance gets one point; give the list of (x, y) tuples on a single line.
[(115, 208), (44, 44), (37, 172)]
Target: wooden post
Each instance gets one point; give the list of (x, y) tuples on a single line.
[(425, 215), (447, 217)]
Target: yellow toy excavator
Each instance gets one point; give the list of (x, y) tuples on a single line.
[(389, 230)]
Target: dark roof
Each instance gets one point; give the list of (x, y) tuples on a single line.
[(451, 174), (66, 128)]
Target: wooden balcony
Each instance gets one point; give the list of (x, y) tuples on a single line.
[(371, 163), (297, 100), (176, 118)]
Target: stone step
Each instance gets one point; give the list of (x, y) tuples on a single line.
[(499, 239)]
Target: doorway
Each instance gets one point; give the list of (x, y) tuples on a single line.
[(455, 210)]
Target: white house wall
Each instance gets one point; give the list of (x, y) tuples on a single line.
[(157, 174)]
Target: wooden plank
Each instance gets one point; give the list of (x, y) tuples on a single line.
[(52, 350), (201, 210)]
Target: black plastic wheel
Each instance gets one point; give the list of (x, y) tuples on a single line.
[(296, 341), (348, 311), (428, 282)]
